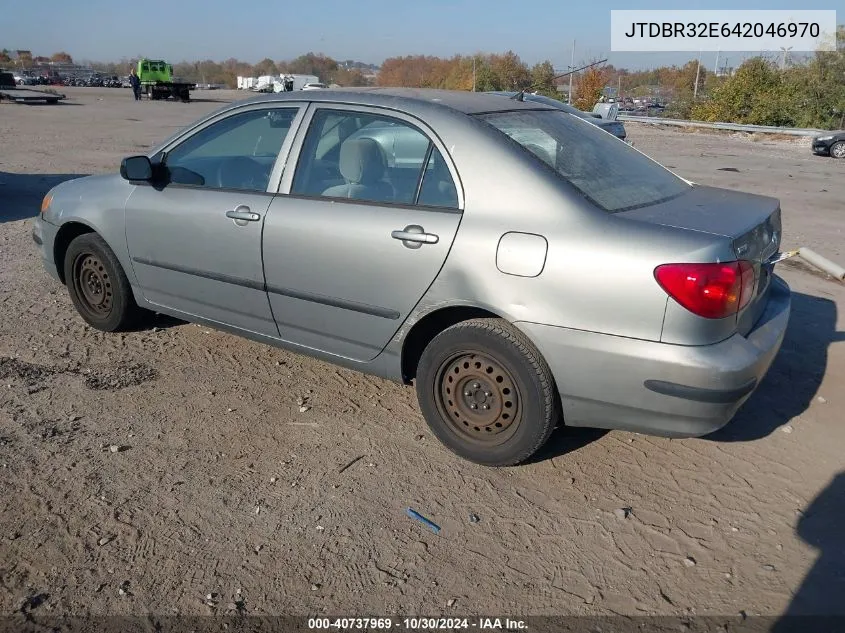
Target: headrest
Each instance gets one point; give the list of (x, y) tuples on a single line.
[(362, 161)]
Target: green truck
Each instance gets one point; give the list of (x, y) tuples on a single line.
[(157, 81)]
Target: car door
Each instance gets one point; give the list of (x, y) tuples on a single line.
[(194, 234), (361, 230)]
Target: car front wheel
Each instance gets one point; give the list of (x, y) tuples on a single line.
[(97, 285), (486, 392), (837, 150)]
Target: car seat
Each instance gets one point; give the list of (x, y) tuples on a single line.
[(363, 167)]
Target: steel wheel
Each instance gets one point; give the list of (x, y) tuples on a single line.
[(486, 392), (92, 282), (837, 150), (97, 285), (479, 398)]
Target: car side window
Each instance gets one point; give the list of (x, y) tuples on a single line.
[(438, 189), (369, 157), (237, 152)]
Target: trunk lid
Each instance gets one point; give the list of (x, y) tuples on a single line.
[(752, 223)]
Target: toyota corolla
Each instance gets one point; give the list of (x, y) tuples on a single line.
[(521, 267)]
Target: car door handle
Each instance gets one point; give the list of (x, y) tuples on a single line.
[(414, 236), (242, 214)]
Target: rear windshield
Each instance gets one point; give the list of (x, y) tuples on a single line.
[(610, 173)]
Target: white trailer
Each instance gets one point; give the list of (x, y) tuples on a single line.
[(246, 83), (294, 82)]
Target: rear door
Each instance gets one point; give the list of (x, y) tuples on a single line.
[(361, 229)]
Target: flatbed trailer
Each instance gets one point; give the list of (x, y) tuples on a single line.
[(9, 91), (158, 81), (156, 90)]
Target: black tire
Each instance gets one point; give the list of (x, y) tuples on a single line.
[(486, 392), (98, 286), (837, 150)]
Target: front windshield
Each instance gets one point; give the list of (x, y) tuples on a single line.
[(608, 172)]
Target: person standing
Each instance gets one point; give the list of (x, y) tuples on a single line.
[(135, 82)]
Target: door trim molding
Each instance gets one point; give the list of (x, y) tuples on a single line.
[(227, 279), (335, 302)]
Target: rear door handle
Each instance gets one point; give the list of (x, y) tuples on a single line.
[(414, 236), (241, 215)]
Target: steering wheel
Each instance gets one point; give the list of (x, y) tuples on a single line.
[(239, 172)]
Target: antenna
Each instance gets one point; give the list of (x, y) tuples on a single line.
[(520, 96)]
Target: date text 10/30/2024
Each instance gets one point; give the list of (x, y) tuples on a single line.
[(417, 624)]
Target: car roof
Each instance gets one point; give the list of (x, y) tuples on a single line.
[(410, 99)]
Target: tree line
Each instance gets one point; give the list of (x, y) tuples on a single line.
[(810, 93)]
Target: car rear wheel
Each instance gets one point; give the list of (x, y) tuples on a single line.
[(97, 285), (837, 150), (486, 392)]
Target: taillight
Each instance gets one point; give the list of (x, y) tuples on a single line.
[(710, 290)]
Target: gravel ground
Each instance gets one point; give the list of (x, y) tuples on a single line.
[(143, 472)]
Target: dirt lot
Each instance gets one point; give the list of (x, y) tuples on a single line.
[(220, 485)]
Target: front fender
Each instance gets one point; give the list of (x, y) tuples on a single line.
[(97, 203)]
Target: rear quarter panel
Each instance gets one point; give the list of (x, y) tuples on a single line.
[(598, 272)]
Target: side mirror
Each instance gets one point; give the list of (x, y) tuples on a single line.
[(136, 168)]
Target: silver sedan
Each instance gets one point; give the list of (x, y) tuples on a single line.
[(523, 268)]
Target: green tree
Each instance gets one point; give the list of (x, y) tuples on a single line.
[(312, 64), (485, 78), (265, 67), (820, 87), (589, 87), (757, 94), (353, 77), (543, 79), (681, 84), (509, 71)]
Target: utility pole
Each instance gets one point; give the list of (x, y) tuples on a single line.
[(697, 74), (716, 65), (785, 53), (571, 67), (473, 74)]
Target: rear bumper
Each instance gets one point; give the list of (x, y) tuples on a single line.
[(657, 388)]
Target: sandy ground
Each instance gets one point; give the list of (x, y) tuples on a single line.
[(220, 486)]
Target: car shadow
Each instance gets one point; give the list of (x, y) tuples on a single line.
[(795, 375), (158, 321), (566, 440), (817, 605), (21, 194), (41, 104)]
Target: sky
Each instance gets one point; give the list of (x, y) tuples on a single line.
[(365, 30)]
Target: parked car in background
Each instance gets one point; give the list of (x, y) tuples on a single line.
[(617, 128), (830, 144), (522, 268), (314, 86)]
